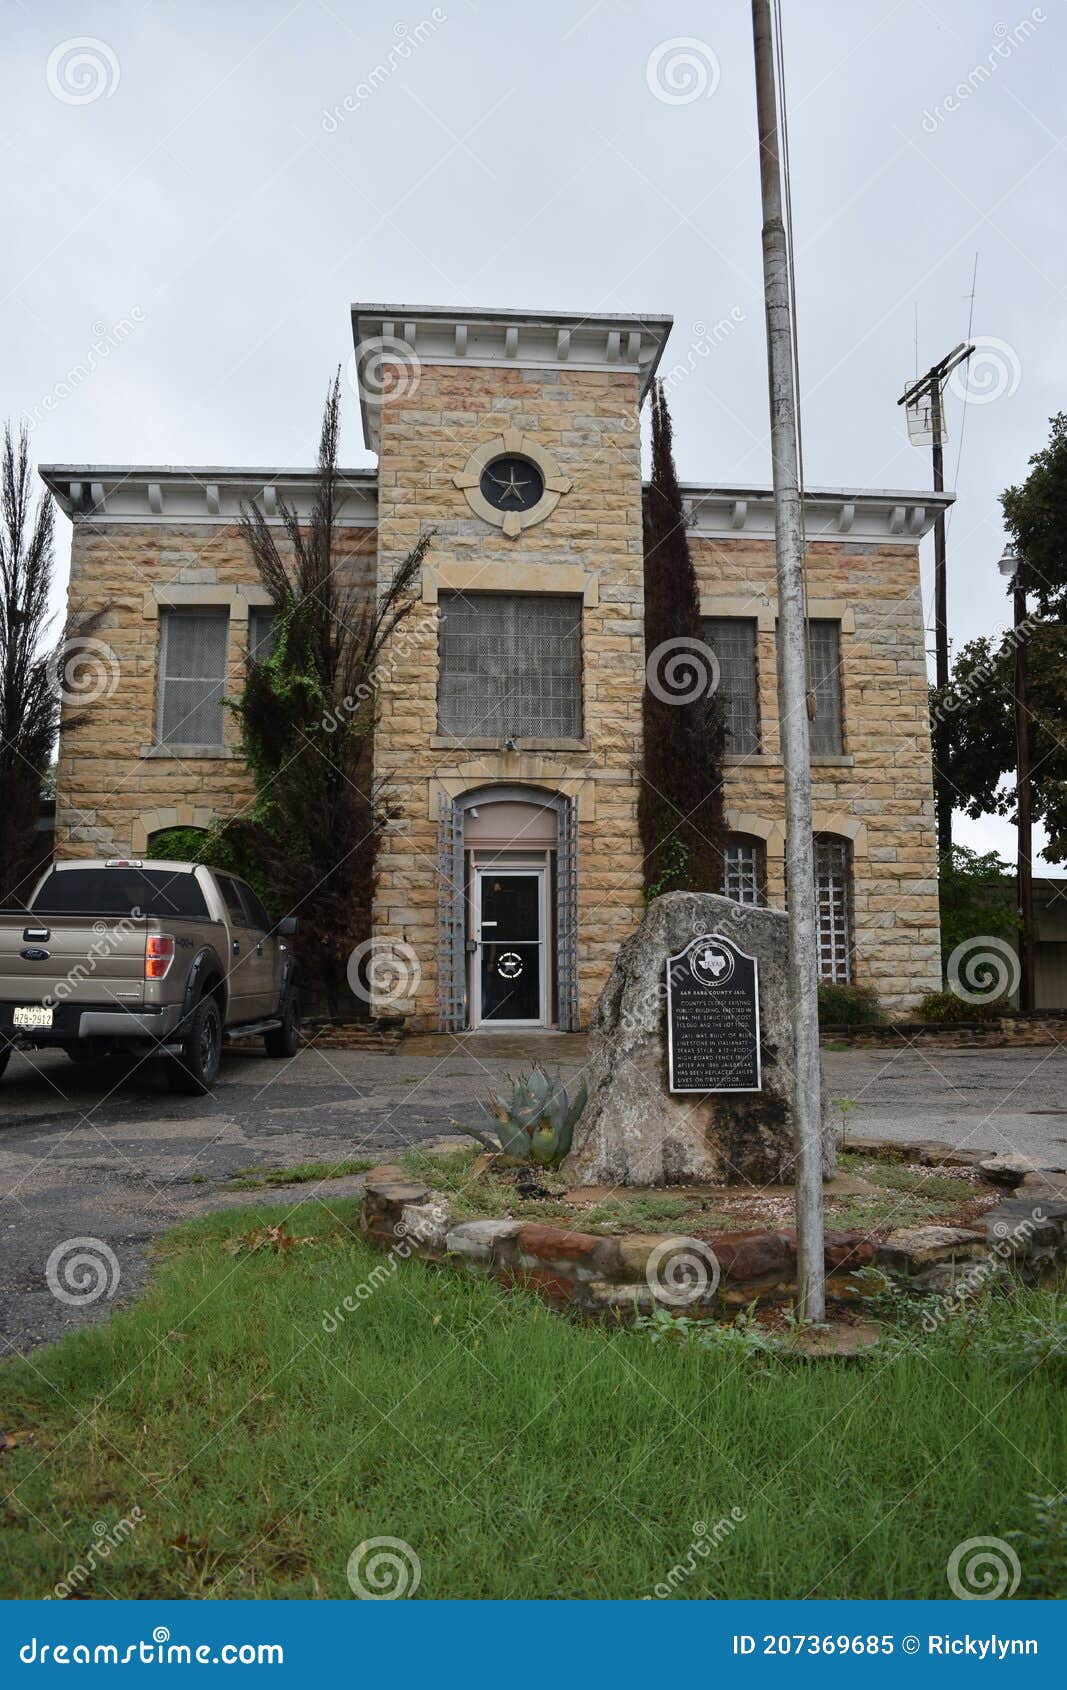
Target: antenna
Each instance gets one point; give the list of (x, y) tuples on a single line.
[(925, 413)]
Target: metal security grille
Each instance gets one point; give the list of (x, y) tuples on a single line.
[(567, 915), (451, 919), (733, 640), (824, 640), (192, 676), (511, 666), (452, 1016), (743, 871), (833, 923), (261, 620)]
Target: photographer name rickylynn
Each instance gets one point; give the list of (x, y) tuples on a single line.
[(983, 1648)]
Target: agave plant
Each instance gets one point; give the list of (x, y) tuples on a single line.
[(535, 1123)]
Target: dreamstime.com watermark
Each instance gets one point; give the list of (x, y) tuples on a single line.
[(407, 42), (983, 968), (978, 680), (706, 1539), (383, 370), (384, 973), (682, 670), (84, 670), (81, 70), (702, 346), (157, 1651), (682, 1271), (383, 1569), (983, 1569), (105, 341), (968, 1285), (681, 70), (106, 1539), (993, 371), (412, 634), (81, 1271), (408, 1236), (108, 936), (1008, 39)]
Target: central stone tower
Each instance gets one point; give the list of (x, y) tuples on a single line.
[(508, 739)]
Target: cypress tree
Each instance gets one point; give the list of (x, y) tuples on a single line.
[(680, 806)]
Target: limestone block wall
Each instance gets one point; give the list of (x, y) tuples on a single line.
[(111, 792), (879, 793), (590, 545)]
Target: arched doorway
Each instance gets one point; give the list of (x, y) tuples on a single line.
[(507, 911)]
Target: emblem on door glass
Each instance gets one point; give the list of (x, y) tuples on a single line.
[(510, 965)]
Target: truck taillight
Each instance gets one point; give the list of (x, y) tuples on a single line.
[(158, 955)]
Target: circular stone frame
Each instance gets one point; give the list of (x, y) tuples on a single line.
[(513, 443)]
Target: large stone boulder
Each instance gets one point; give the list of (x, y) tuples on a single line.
[(633, 1130)]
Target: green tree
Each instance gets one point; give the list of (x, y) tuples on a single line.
[(1036, 516), (680, 805), (307, 717), (35, 674), (977, 896), (973, 718)]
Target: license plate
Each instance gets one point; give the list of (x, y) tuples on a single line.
[(33, 1015)]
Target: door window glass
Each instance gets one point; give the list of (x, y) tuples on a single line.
[(255, 914), (511, 959), (232, 899)]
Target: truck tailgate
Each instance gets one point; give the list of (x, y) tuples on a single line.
[(77, 959)]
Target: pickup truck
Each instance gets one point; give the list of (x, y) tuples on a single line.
[(161, 957)]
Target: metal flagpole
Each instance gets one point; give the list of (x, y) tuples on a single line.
[(792, 688)]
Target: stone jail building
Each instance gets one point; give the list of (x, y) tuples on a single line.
[(508, 741)]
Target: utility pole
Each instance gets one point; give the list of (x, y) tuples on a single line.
[(792, 687), (931, 426), (1011, 568)]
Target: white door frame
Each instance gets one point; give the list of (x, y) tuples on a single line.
[(539, 871)]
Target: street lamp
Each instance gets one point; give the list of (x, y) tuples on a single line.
[(1010, 567)]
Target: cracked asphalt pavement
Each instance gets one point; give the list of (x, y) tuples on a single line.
[(102, 1151)]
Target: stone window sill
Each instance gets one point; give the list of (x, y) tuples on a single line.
[(453, 742), (187, 753), (767, 760)]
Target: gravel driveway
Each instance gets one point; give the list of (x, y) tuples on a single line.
[(104, 1152)]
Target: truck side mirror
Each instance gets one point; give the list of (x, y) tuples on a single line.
[(288, 927)]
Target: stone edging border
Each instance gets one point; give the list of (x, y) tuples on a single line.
[(619, 1277)]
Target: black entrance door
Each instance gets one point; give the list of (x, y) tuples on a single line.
[(510, 940)]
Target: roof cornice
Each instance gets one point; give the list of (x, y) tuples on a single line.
[(851, 515), (161, 495), (409, 336)]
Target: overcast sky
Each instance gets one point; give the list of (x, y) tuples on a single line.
[(200, 191)]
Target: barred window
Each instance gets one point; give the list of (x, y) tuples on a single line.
[(824, 645), (744, 875), (261, 624), (733, 640), (511, 665), (192, 676), (833, 907)]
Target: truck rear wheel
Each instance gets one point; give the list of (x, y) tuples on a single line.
[(285, 1040), (195, 1067), (5, 1058)]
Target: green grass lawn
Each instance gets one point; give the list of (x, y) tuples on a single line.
[(517, 1454)]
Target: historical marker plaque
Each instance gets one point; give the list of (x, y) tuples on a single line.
[(713, 1017)]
